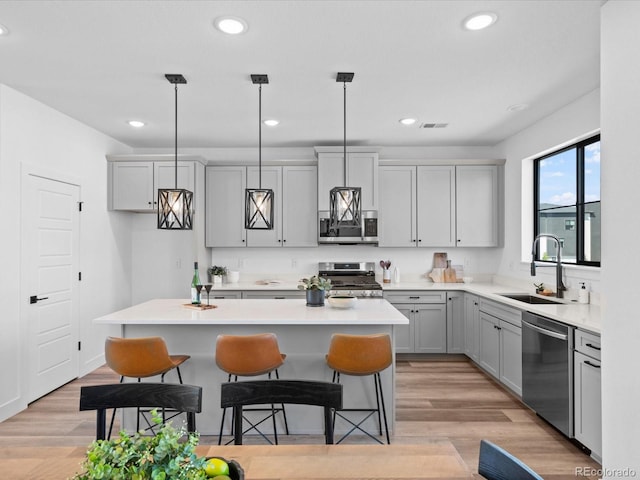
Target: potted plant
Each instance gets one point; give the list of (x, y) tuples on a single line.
[(315, 287), (165, 456), (216, 273)]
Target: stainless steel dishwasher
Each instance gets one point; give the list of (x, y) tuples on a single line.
[(547, 370)]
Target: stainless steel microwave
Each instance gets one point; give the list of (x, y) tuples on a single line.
[(366, 233)]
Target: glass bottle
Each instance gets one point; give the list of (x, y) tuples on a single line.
[(195, 294)]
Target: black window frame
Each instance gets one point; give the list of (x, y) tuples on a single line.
[(580, 201)]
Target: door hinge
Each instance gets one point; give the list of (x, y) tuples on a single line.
[(79, 276), (80, 206), (79, 346)]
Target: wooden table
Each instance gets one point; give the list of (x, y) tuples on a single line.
[(268, 462)]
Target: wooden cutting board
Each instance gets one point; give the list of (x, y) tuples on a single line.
[(440, 260)]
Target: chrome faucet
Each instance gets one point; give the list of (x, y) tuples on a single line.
[(559, 285)]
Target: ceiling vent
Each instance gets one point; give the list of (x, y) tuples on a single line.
[(434, 125)]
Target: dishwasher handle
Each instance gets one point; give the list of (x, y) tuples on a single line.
[(544, 331)]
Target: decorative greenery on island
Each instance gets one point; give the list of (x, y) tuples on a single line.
[(216, 270), (314, 283), (161, 457)]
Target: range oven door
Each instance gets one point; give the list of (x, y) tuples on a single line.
[(547, 370)]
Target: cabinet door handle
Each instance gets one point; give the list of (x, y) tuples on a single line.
[(284, 241), (591, 345), (414, 298), (475, 304), (419, 240), (591, 364), (279, 240), (458, 240), (278, 298)]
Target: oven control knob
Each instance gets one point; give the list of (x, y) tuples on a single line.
[(366, 293)]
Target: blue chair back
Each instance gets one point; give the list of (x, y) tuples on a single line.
[(497, 464)]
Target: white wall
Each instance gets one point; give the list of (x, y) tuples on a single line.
[(34, 137), (620, 232), (575, 121)]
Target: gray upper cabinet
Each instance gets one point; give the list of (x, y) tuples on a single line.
[(224, 193), (477, 206), (134, 185), (295, 208), (438, 206), (361, 169), (397, 211)]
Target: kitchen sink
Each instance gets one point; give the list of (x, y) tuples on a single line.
[(526, 298)]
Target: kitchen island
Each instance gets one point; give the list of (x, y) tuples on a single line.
[(303, 334)]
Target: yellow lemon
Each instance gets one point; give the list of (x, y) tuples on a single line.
[(216, 467)]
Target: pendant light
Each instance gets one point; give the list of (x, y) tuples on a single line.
[(344, 202), (258, 205), (175, 205)]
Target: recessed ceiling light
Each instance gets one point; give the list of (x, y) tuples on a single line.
[(407, 121), (516, 107), (231, 25), (3, 30), (271, 122), (478, 21), (136, 123)]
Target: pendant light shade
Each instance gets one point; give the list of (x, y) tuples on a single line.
[(258, 202), (175, 206), (344, 202)]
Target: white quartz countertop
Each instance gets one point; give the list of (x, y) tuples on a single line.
[(256, 312), (586, 317)]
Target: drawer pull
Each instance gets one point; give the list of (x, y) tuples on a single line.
[(414, 298), (591, 364), (278, 298), (591, 345)]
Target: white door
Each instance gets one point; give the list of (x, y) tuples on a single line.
[(50, 222)]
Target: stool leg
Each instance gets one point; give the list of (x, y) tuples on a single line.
[(224, 412), (384, 410), (284, 413)]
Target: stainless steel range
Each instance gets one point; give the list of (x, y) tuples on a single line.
[(351, 278)]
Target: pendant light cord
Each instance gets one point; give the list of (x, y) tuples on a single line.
[(345, 132), (260, 137), (176, 138)]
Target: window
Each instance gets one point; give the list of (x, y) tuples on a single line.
[(567, 202)]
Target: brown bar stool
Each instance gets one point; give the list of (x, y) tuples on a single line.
[(140, 358), (251, 356), (361, 355)]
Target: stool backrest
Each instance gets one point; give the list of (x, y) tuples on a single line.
[(495, 463), (301, 392), (137, 357), (359, 354), (183, 398), (248, 355)]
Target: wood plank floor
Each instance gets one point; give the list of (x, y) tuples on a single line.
[(442, 400)]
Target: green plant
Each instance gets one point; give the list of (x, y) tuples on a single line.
[(216, 270), (314, 283), (139, 457)]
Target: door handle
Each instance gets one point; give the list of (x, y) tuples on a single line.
[(34, 299)]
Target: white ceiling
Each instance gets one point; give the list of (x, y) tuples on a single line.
[(103, 63)]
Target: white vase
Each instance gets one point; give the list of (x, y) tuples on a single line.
[(386, 276), (217, 279)]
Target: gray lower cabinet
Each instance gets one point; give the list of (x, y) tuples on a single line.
[(472, 326), (455, 322), (427, 328), (223, 294), (587, 392), (500, 351), (272, 294)]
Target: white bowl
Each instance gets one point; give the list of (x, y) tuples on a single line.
[(342, 301)]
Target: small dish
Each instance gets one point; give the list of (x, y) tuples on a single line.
[(342, 301)]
